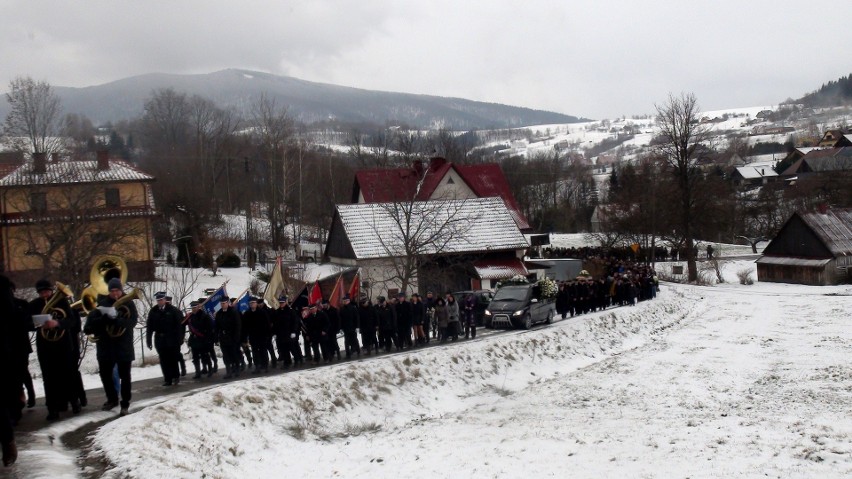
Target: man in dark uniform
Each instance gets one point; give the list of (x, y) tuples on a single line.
[(166, 332), (349, 325), (316, 330), (403, 322), (333, 328), (56, 352), (114, 329), (14, 351), (287, 326), (180, 359), (228, 328), (201, 333), (368, 321), (257, 330), (270, 347), (387, 324), (429, 306)]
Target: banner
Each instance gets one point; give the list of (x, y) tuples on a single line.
[(316, 294), (213, 302), (336, 298), (301, 300), (275, 285), (243, 302), (355, 289)]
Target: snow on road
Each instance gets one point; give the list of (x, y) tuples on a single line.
[(702, 382)]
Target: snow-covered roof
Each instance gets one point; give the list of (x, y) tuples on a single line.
[(445, 226), (309, 272), (500, 268), (789, 261), (66, 172), (753, 173)]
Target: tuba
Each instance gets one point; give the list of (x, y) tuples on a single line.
[(62, 292), (105, 267), (122, 310)]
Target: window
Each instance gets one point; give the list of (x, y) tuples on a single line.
[(113, 198), (38, 202), (450, 181)]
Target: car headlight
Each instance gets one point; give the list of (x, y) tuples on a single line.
[(487, 313), (518, 313)]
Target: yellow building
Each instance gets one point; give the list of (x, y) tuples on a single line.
[(57, 216)]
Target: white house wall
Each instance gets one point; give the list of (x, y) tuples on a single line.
[(455, 190)]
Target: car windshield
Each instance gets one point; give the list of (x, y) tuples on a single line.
[(511, 294)]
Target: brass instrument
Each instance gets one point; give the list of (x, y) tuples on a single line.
[(62, 292), (105, 267), (121, 311)]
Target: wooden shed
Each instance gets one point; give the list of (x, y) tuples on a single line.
[(811, 248)]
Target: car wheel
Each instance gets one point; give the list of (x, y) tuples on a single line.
[(527, 321), (549, 319)]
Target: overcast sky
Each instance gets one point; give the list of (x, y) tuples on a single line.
[(587, 58)]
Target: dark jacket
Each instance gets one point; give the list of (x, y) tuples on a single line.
[(257, 324), (349, 318), (403, 315), (315, 325), (166, 327), (228, 327), (387, 317), (115, 335), (368, 320), (201, 331)]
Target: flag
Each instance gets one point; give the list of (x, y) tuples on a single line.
[(355, 289), (213, 302), (316, 294), (243, 301), (336, 297), (275, 285), (301, 299)]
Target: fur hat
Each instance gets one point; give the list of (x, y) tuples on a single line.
[(114, 283)]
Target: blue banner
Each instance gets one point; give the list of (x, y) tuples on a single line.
[(243, 302), (212, 304)]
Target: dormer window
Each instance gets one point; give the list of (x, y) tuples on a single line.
[(113, 198), (38, 202)]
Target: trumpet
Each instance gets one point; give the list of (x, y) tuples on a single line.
[(62, 292)]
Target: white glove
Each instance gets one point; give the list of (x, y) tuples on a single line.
[(292, 335)]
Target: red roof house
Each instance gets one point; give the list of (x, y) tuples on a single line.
[(440, 180)]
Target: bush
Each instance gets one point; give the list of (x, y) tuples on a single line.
[(745, 276), (228, 259)]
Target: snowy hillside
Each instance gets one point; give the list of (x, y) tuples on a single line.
[(701, 382)]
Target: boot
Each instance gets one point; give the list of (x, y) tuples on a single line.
[(228, 374), (10, 453)]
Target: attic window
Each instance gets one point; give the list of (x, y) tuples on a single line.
[(450, 181)]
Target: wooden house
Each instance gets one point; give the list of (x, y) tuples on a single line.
[(811, 248)]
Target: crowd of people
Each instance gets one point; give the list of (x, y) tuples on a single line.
[(253, 341)]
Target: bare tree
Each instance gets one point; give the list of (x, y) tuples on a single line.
[(681, 133), (33, 120), (413, 232)]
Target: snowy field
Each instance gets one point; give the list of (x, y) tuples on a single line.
[(716, 381)]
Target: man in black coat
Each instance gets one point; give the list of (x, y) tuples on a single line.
[(333, 328), (316, 331), (165, 331), (56, 351), (228, 332), (287, 325), (387, 323), (349, 324), (403, 322), (258, 329), (368, 321), (428, 320), (114, 330), (201, 336), (14, 351)]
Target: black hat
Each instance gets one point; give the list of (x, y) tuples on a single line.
[(224, 299), (160, 295), (346, 297), (380, 299), (401, 294), (233, 300), (114, 283), (325, 301), (252, 300), (282, 299), (42, 285), (194, 303), (168, 299)]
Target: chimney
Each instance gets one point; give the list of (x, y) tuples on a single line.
[(103, 160), (54, 157), (436, 163), (39, 163), (418, 167), (823, 208)]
